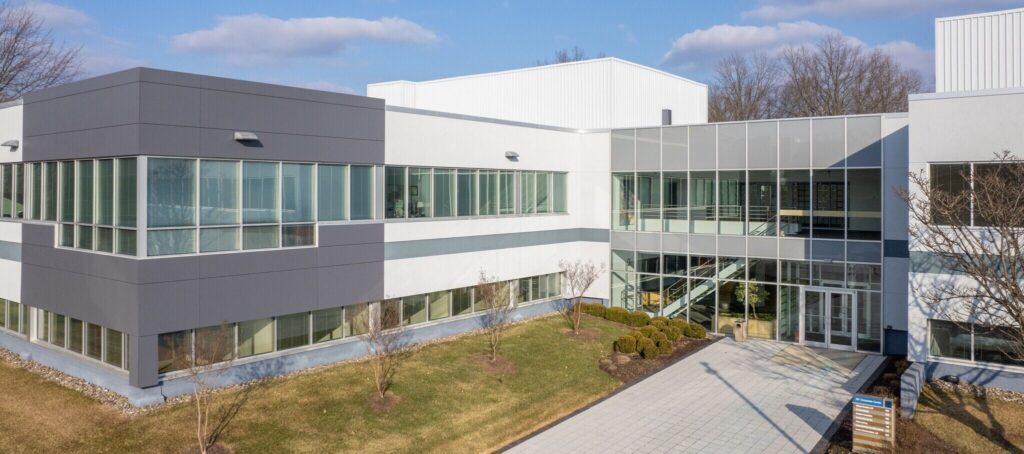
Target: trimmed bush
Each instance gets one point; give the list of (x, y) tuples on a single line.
[(595, 309), (647, 331), (659, 318), (626, 344), (658, 323), (637, 318), (696, 331), (636, 334), (647, 348), (659, 336), (665, 347), (672, 332), (616, 314), (678, 323)]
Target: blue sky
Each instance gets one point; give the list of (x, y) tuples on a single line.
[(343, 46)]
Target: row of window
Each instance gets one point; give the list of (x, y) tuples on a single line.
[(92, 341), (256, 337), (835, 203), (424, 192), (958, 182), (795, 272), (974, 342)]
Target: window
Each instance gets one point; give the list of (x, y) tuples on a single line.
[(357, 319), (113, 354), (528, 192), (674, 202), (75, 333), (440, 305), (37, 191), (762, 213), (649, 201), (867, 277), (58, 334), (732, 206), (795, 203), (543, 192), (84, 211), (763, 270), (19, 191), (391, 313), (7, 178), (361, 202), (444, 193), (218, 193), (331, 192), (260, 193), (419, 192), (414, 309), (559, 192), (394, 192), (214, 344), (171, 203), (296, 193), (828, 274), (702, 266), (467, 193), (94, 341), (462, 301), (488, 192), (702, 202), (949, 340), (954, 180), (507, 193), (50, 198), (174, 351), (974, 342), (674, 264), (794, 272), (105, 192), (648, 262), (829, 204), (623, 201), (864, 216), (292, 331), (327, 325), (255, 337), (294, 235), (623, 261)]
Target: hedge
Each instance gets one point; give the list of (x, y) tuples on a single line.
[(647, 348), (680, 324), (626, 344), (695, 330), (665, 346), (672, 332), (638, 318), (648, 331)]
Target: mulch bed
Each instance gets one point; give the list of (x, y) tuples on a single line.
[(500, 365), (632, 368)]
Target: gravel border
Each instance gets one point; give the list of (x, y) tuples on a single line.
[(978, 391)]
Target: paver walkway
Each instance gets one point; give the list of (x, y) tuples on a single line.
[(756, 396)]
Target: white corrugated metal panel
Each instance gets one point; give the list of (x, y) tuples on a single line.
[(979, 51), (592, 94)]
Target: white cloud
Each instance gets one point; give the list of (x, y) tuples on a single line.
[(911, 56), (59, 16), (95, 64), (703, 47), (774, 10), (252, 38)]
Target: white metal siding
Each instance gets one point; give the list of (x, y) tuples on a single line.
[(593, 94), (979, 52)]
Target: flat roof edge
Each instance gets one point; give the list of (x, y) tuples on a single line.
[(967, 94), (457, 116)]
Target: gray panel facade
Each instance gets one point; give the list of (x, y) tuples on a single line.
[(675, 148), (648, 149)]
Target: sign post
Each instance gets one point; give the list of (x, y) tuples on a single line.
[(874, 424)]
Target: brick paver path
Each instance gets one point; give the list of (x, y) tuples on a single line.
[(730, 397)]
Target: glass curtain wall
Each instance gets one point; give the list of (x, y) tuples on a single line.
[(795, 203), (732, 206), (829, 204), (702, 202), (674, 202), (649, 201), (764, 205), (623, 201)]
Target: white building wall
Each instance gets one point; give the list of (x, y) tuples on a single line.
[(592, 94), (979, 51), (954, 127), (10, 232), (436, 141)]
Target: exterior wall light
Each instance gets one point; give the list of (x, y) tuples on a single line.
[(13, 144), (245, 136), (511, 156)]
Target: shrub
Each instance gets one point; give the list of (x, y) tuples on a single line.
[(659, 336), (660, 319), (647, 331), (638, 318), (665, 347), (678, 323), (595, 309), (647, 348), (626, 344), (672, 332), (636, 334), (695, 330), (616, 314), (658, 323)]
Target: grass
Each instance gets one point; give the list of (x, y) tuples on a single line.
[(971, 424), (447, 403)]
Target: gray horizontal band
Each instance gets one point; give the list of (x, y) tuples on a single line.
[(10, 251), (443, 246)]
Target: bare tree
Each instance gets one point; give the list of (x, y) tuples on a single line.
[(973, 224), (569, 55), (29, 57), (494, 295), (839, 77), (578, 276), (744, 88), (212, 355), (387, 344)]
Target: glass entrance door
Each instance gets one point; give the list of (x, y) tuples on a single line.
[(828, 318)]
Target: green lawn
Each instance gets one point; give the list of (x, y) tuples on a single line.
[(447, 403)]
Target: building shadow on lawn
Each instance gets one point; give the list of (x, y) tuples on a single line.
[(989, 428)]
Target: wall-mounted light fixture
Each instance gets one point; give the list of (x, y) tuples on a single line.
[(511, 156), (13, 144), (246, 136)]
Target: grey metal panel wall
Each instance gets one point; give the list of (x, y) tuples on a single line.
[(702, 147), (864, 141), (828, 142), (154, 112), (732, 146), (622, 149), (794, 143), (648, 149), (675, 148), (763, 145)]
